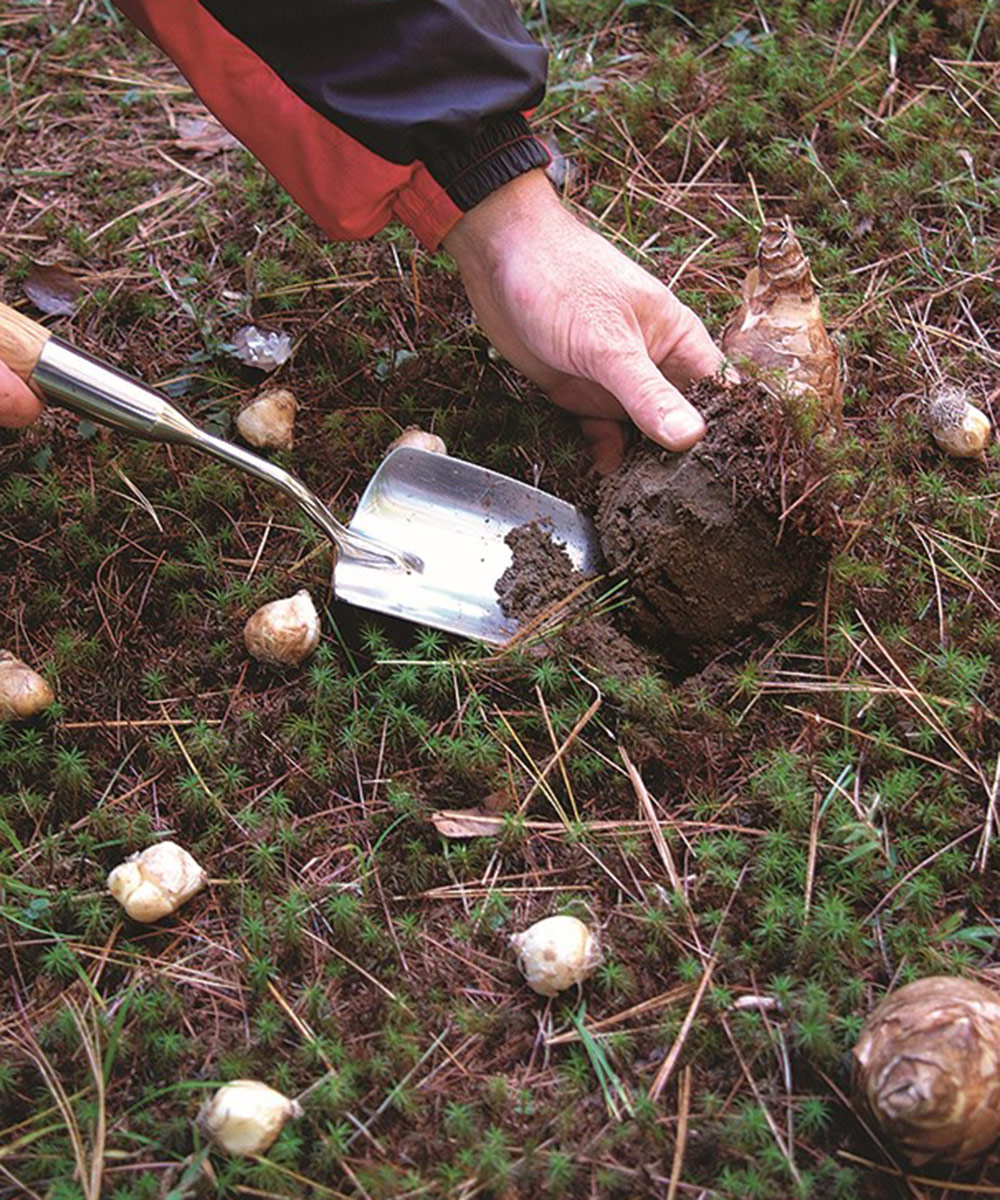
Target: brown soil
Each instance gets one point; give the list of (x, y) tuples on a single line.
[(540, 576), (700, 537), (541, 587)]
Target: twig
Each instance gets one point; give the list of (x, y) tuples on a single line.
[(680, 1145), (647, 809), (786, 1150), (668, 1064), (992, 821)]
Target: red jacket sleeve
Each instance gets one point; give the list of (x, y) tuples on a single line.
[(365, 111)]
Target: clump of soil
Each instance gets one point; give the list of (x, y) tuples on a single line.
[(542, 586), (540, 576), (712, 542)]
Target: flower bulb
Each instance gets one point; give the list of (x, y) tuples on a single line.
[(23, 692), (245, 1117), (269, 421), (285, 632), (927, 1068), (958, 427), (420, 439), (556, 953), (156, 882)]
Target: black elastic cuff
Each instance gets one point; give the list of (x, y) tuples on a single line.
[(505, 150)]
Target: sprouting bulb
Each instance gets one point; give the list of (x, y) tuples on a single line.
[(778, 324), (957, 425), (155, 883), (23, 692), (556, 953), (285, 632), (269, 421), (245, 1117)]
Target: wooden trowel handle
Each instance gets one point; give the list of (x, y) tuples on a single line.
[(21, 341)]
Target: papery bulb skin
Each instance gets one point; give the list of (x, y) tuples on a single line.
[(283, 633), (556, 953), (268, 422), (926, 1068), (244, 1117), (23, 692), (155, 883), (779, 325)]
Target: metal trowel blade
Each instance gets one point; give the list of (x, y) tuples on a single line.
[(454, 516)]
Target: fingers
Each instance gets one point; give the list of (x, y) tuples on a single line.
[(606, 441), (691, 353), (652, 401), (18, 404)]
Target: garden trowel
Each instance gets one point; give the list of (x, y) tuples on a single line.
[(427, 541)]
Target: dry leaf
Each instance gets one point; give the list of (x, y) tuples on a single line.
[(52, 288), (204, 136), (468, 822), (497, 803), (564, 171)]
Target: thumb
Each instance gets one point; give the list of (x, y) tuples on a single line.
[(18, 403), (653, 403)]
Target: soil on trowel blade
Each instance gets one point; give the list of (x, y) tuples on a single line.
[(541, 585), (540, 576), (700, 536)]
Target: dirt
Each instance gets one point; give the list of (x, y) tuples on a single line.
[(700, 536), (540, 576), (541, 587)]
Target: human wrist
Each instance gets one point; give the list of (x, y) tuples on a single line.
[(479, 237)]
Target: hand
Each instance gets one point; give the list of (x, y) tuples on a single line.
[(594, 330), (18, 403)]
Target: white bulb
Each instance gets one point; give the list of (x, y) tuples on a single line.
[(155, 883), (285, 632), (245, 1117), (556, 953), (269, 421), (420, 439), (23, 692)]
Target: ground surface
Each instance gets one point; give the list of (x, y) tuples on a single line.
[(808, 821)]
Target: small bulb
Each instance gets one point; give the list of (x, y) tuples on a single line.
[(421, 440), (958, 427), (556, 953), (269, 421), (156, 882), (23, 692), (285, 632), (245, 1117)]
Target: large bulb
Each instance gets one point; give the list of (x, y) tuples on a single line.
[(927, 1068), (285, 632), (245, 1117), (155, 883)]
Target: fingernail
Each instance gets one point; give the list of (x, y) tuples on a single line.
[(682, 426)]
